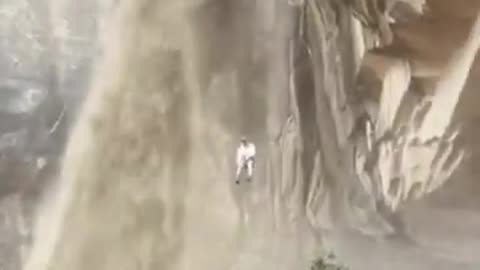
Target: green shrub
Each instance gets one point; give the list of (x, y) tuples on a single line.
[(327, 263)]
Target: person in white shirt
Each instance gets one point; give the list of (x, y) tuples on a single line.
[(245, 159)]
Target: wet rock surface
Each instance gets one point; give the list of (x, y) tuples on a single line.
[(37, 94), (32, 133)]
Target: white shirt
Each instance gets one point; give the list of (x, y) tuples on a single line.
[(244, 152)]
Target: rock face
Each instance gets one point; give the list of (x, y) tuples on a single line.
[(34, 115), (363, 113)]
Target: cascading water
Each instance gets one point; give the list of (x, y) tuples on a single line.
[(147, 178)]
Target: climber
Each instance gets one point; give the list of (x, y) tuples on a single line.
[(245, 159)]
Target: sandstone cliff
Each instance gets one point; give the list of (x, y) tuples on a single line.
[(363, 112)]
